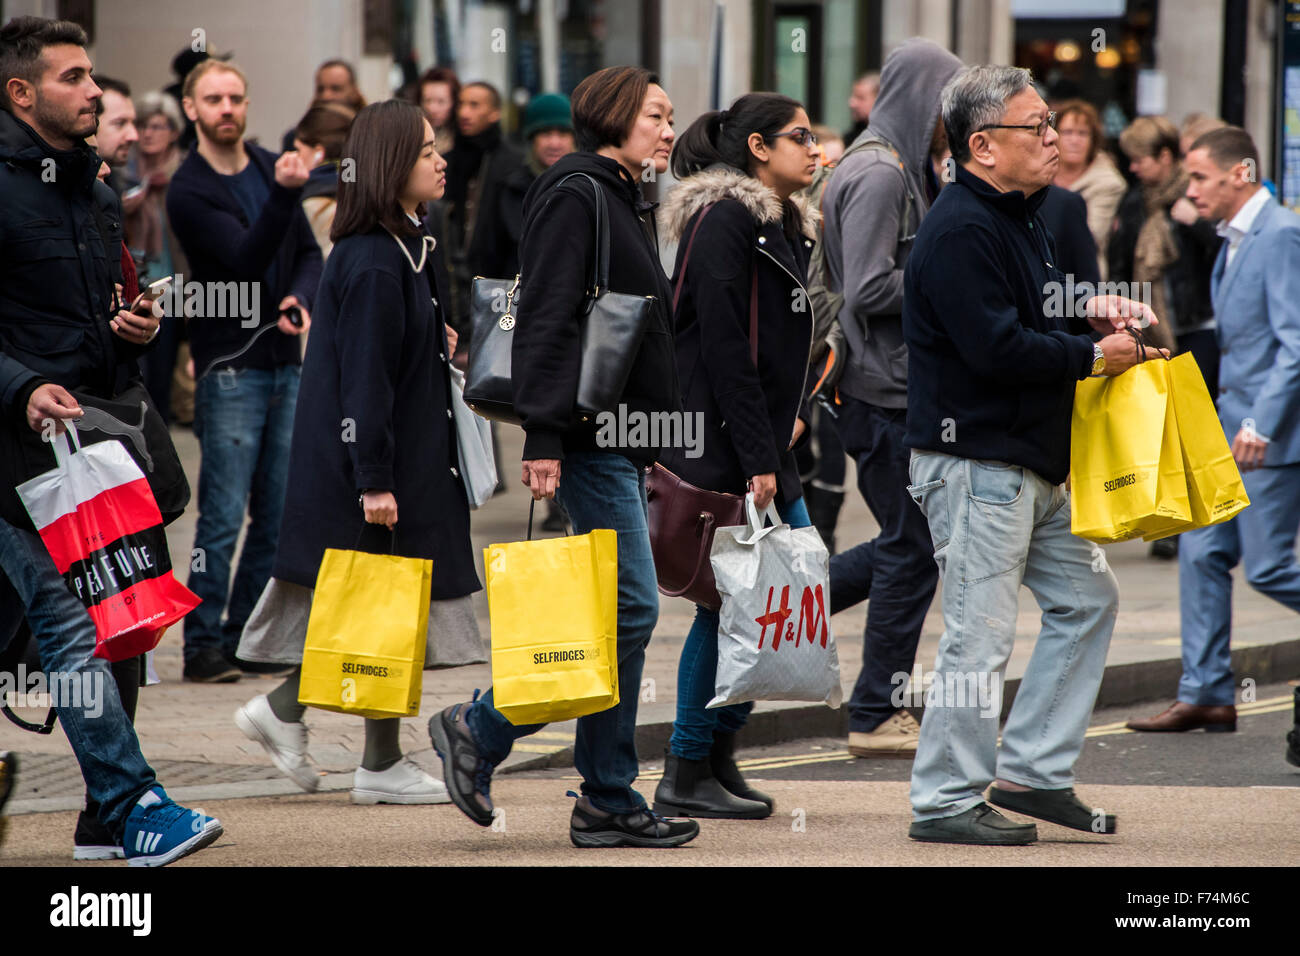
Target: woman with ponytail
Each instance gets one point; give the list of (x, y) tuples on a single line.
[(743, 237)]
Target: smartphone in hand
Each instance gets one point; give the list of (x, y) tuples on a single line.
[(155, 291)]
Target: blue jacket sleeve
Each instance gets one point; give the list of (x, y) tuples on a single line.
[(1275, 407)]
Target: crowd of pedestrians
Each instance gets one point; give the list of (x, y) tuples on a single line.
[(930, 232)]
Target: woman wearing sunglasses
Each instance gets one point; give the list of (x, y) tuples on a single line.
[(739, 170)]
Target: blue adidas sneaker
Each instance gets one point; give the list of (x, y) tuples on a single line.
[(160, 831)]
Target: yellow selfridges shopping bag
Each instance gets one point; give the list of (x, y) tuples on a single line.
[(553, 606), (1126, 462), (1214, 483), (366, 635)]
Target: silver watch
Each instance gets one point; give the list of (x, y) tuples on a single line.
[(1098, 359)]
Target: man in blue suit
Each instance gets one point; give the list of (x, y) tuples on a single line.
[(1256, 292)]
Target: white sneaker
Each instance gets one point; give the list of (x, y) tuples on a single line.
[(285, 742), (403, 782)]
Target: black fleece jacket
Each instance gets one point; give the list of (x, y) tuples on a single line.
[(992, 371), (557, 254)]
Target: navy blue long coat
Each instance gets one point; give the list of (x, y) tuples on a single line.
[(374, 412)]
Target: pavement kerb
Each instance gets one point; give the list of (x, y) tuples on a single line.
[(1121, 684)]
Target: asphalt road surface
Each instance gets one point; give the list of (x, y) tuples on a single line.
[(1190, 799)]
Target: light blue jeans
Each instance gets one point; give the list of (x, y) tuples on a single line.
[(994, 527)]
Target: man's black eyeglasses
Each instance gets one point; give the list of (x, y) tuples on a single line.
[(1039, 129), (801, 135)]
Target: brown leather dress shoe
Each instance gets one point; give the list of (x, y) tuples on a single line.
[(1181, 716)]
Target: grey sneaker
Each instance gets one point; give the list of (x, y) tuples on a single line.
[(467, 774), (591, 827), (980, 826)]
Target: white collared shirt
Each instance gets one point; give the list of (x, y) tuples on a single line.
[(1235, 230)]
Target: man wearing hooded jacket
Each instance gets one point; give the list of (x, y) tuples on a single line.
[(873, 206)]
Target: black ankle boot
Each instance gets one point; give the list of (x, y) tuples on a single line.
[(689, 790), (722, 761)]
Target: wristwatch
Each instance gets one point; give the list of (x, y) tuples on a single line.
[(1098, 359)]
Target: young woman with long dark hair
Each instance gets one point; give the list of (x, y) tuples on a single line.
[(739, 171)]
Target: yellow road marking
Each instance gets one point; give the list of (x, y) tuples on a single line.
[(1270, 705)]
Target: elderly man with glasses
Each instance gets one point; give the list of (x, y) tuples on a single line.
[(991, 383)]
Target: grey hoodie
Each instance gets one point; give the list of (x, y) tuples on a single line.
[(865, 199)]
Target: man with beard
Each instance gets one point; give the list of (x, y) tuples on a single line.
[(235, 210), (60, 331), (477, 170)]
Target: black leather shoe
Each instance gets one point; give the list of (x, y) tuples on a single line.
[(1293, 747), (722, 761), (979, 826), (1061, 807), (1166, 549), (210, 667), (592, 828), (689, 790)]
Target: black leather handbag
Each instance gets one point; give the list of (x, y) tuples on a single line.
[(612, 326)]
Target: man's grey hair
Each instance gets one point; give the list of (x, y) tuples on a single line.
[(975, 97)]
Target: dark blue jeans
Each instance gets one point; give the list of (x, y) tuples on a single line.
[(600, 490), (243, 420), (98, 729), (895, 570), (697, 675)]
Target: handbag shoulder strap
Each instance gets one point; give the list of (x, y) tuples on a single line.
[(600, 269), (753, 287)]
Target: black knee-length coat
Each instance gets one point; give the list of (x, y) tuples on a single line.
[(374, 412)]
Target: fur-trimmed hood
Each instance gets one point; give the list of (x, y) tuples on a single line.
[(720, 182)]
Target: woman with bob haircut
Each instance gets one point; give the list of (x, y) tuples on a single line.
[(622, 119), (373, 434), (738, 213)]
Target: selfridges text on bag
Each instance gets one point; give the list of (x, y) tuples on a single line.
[(366, 637), (553, 605), (1126, 462), (99, 520), (774, 634)]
